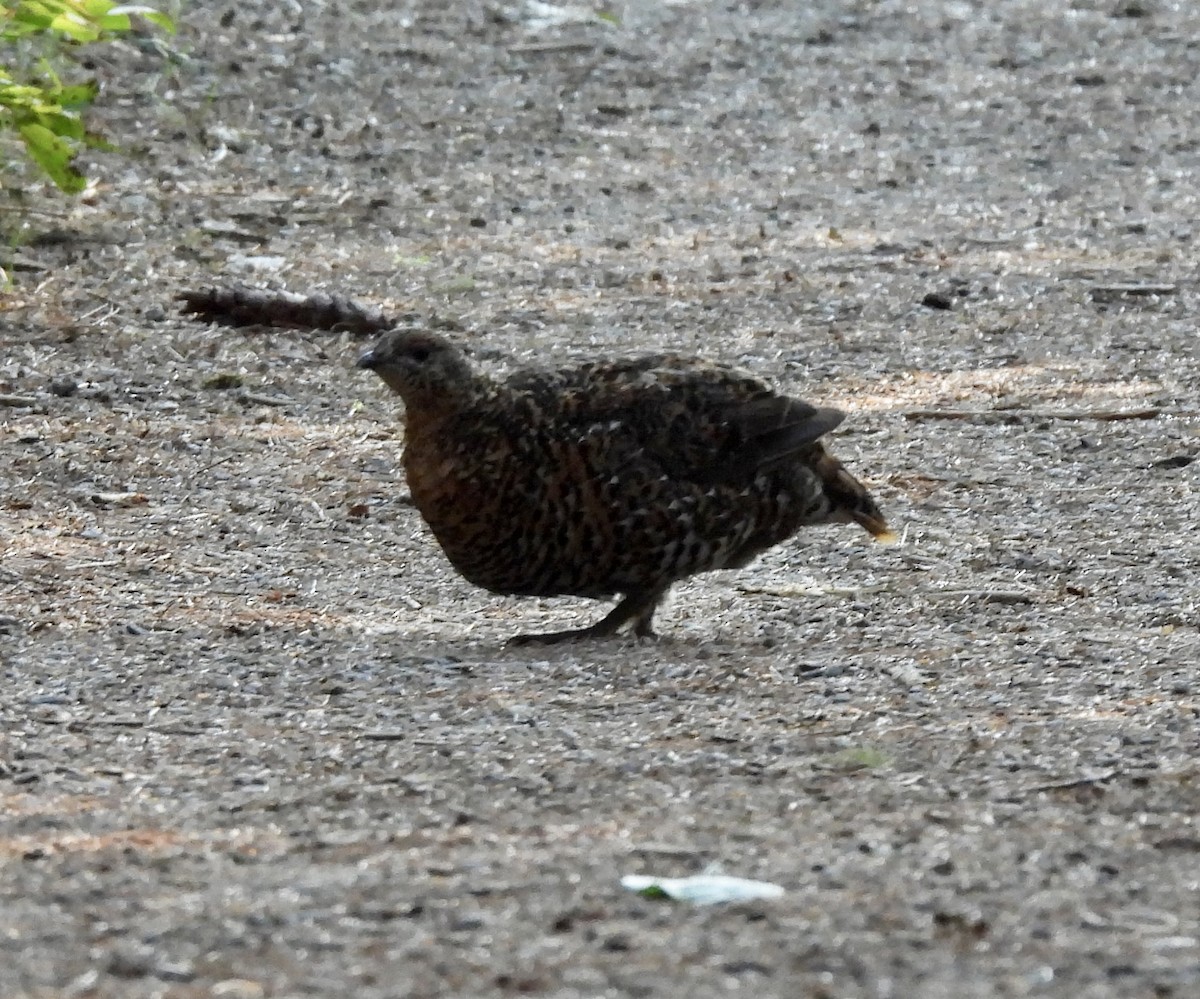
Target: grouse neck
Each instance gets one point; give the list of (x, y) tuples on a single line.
[(437, 403)]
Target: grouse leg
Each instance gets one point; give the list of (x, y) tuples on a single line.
[(642, 623), (638, 606)]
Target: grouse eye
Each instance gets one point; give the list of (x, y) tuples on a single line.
[(419, 354)]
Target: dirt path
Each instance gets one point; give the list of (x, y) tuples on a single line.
[(257, 739)]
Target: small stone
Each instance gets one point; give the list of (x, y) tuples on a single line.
[(1131, 9), (126, 962), (1175, 461), (238, 988), (179, 971)]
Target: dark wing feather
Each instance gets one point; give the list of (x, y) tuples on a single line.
[(699, 421), (773, 430)]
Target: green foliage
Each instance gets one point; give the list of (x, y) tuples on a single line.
[(44, 112)]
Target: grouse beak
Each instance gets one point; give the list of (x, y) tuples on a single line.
[(878, 528), (368, 360)]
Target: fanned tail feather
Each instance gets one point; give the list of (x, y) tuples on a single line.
[(238, 305)]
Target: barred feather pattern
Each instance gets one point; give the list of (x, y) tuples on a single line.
[(240, 306), (610, 477)]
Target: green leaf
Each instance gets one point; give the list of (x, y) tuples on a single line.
[(78, 95), (115, 24), (75, 27), (149, 13), (53, 154), (28, 18), (653, 891), (35, 103), (160, 19), (94, 8), (94, 140)]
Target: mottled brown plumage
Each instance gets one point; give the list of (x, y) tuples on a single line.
[(611, 477)]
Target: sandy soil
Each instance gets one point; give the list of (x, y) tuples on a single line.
[(256, 737)]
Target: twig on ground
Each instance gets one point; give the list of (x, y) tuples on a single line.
[(547, 48), (1102, 777), (256, 399), (1017, 415), (990, 596), (1109, 292)]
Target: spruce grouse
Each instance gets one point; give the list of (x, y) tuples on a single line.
[(611, 477)]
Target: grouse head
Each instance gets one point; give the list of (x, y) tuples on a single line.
[(424, 368)]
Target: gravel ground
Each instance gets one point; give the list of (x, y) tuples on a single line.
[(258, 739)]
